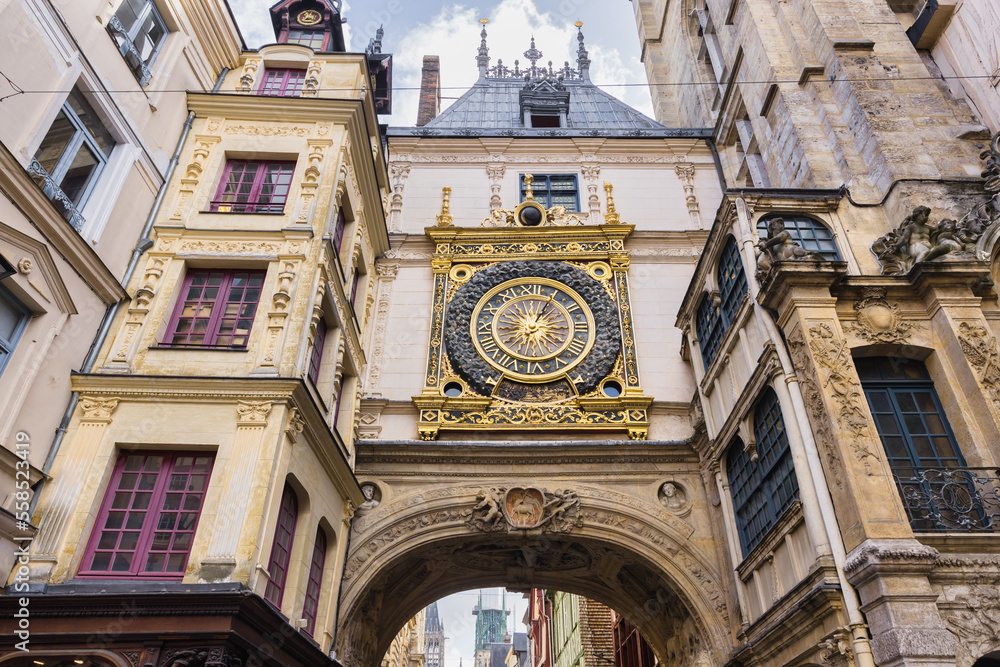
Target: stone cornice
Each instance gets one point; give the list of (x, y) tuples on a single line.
[(29, 199), (561, 453), (890, 556)]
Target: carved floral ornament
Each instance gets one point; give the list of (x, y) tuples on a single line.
[(878, 320), (977, 626)]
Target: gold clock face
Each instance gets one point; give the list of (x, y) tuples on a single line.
[(532, 329), (309, 17)]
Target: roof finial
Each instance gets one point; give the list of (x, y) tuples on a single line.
[(582, 57), (483, 59), (534, 55), (444, 219)]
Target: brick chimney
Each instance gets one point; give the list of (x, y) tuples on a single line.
[(430, 91)]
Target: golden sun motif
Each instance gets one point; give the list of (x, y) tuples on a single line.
[(531, 329)]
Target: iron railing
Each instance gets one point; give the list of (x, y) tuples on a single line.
[(55, 193), (127, 48), (951, 499)]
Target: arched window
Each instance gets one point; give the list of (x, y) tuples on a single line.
[(938, 490), (713, 320), (281, 547), (762, 489), (811, 234), (315, 584)]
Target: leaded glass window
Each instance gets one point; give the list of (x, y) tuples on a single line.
[(554, 190), (809, 233), (762, 489), (714, 319)]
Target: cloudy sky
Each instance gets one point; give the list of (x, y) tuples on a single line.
[(415, 28)]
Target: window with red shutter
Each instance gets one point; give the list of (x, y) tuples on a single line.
[(216, 309), (254, 186)]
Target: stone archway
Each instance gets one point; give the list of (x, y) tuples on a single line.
[(424, 542)]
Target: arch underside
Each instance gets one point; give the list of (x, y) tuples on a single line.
[(669, 608)]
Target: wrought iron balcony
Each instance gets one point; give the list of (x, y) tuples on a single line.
[(55, 193), (951, 499), (129, 51)]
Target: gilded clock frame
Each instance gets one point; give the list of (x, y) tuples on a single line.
[(471, 249)]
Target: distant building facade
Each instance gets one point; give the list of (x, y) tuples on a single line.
[(434, 638)]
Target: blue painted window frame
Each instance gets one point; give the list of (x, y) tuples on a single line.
[(763, 490), (7, 346), (713, 321), (810, 233), (542, 190)]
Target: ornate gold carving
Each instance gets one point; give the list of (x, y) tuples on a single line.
[(98, 409), (252, 413), (518, 508), (838, 379), (878, 320), (611, 217), (444, 219)]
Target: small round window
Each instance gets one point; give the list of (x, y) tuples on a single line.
[(453, 390)]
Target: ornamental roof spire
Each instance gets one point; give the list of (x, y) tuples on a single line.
[(582, 57), (483, 59)]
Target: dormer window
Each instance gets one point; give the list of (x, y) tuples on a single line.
[(543, 120), (314, 39)]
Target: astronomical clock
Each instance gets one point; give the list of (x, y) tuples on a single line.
[(531, 326)]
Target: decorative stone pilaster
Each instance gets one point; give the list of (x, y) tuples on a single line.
[(276, 318), (899, 603), (591, 173), (244, 492), (310, 181), (59, 502), (192, 175), (854, 461), (495, 172), (399, 174), (386, 277), (245, 84), (125, 343), (685, 172), (314, 74)]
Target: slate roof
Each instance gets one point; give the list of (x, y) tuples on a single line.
[(492, 107)]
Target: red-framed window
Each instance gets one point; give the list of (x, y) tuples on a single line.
[(281, 548), (315, 585), (338, 230), (314, 39), (283, 82), (254, 186), (316, 358), (216, 309), (149, 515)]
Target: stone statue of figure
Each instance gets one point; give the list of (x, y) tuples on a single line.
[(919, 240), (779, 246), (489, 501), (371, 502), (671, 497)]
